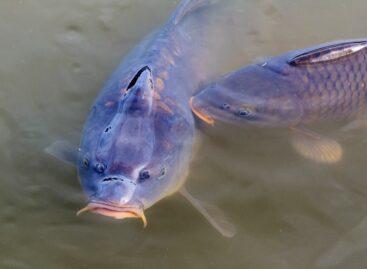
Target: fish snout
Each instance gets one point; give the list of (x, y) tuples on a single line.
[(114, 199), (115, 190), (199, 110)]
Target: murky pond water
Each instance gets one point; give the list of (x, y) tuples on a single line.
[(289, 212)]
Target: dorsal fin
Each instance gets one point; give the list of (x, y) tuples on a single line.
[(186, 7), (328, 52)]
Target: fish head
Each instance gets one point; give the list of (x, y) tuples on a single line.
[(128, 152), (253, 96)]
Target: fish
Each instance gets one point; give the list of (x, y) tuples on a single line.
[(320, 84), (138, 140)]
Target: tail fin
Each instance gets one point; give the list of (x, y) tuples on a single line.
[(186, 7)]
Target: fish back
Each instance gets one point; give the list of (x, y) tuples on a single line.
[(331, 80)]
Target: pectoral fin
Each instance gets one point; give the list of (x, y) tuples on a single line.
[(357, 124), (213, 214), (316, 147), (64, 151)]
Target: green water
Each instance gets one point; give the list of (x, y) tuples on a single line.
[(289, 212)]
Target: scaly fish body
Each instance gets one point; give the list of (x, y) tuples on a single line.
[(333, 89), (327, 82), (319, 84)]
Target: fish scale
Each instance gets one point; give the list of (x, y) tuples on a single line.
[(339, 80)]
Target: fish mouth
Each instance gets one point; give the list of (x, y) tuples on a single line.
[(113, 211), (200, 112)]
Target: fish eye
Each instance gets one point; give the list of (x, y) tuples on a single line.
[(144, 175), (100, 167), (225, 106), (243, 112), (85, 162)]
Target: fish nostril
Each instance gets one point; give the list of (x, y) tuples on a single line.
[(225, 106), (100, 167), (144, 175), (243, 112)]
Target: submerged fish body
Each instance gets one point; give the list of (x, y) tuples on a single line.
[(322, 83), (138, 139), (141, 137)]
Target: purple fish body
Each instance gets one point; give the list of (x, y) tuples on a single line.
[(318, 84), (137, 141)]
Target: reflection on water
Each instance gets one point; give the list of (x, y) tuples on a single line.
[(289, 212)]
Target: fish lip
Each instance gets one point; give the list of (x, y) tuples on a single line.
[(200, 112), (114, 211), (111, 206)]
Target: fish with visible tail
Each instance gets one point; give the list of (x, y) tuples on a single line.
[(137, 142), (318, 84)]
